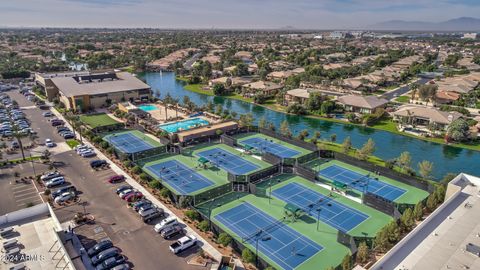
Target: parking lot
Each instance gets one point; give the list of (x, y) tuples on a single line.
[(143, 247)]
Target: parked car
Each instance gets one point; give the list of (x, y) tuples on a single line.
[(169, 221), (49, 143), (134, 196), (55, 182), (183, 243), (87, 154), (47, 114), (124, 193), (100, 246), (122, 188), (64, 197), (151, 214), (111, 262), (136, 206), (102, 256), (116, 178), (123, 266), (63, 190), (49, 175), (171, 231), (98, 163), (68, 135)]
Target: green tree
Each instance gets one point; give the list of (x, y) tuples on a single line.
[(248, 256), (347, 262), (418, 211), (367, 149), (218, 89), (204, 226), (333, 137), (285, 129), (405, 161), (262, 123), (407, 219), (425, 169), (362, 253), (432, 202), (327, 107), (303, 134), (224, 239), (314, 101), (346, 145), (393, 232), (192, 214), (164, 193), (381, 241), (458, 130)]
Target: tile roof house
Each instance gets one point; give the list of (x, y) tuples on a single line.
[(361, 104), (299, 95), (261, 87), (425, 116)]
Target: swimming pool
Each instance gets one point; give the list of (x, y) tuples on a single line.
[(184, 125), (147, 108)]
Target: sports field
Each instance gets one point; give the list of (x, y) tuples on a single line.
[(361, 180), (242, 222), (98, 120), (183, 175), (132, 141), (229, 159), (263, 143)]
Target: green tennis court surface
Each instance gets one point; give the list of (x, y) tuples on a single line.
[(263, 143), (132, 141), (412, 195)]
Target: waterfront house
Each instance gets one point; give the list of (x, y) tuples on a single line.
[(424, 117), (261, 87), (361, 104)]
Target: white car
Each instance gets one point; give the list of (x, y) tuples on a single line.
[(83, 150), (50, 175), (80, 146), (88, 153), (55, 182), (49, 143), (183, 243), (125, 192), (169, 221), (64, 197)]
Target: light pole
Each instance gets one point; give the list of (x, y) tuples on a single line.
[(33, 166), (257, 237), (210, 213), (318, 217)]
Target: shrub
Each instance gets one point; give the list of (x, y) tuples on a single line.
[(136, 170), (155, 184), (192, 214), (248, 256), (104, 145), (224, 239), (47, 192), (144, 176), (127, 163), (110, 150), (204, 226), (164, 192), (97, 139)]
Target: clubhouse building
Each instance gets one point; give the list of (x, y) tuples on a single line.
[(83, 91)]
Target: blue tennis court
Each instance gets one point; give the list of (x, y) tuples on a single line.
[(180, 177), (269, 146), (128, 143), (333, 213), (283, 245), (228, 161), (361, 182)]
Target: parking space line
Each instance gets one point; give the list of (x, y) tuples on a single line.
[(26, 194), (28, 198)]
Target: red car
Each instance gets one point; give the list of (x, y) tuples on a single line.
[(133, 196), (116, 178)]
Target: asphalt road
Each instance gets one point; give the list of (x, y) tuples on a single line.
[(138, 241), (404, 89)]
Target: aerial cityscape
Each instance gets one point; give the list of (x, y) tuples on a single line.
[(239, 135)]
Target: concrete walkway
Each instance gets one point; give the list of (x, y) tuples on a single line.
[(204, 244)]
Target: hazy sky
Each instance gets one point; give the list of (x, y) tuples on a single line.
[(318, 14)]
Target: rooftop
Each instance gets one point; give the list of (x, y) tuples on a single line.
[(440, 241), (97, 84), (369, 102), (429, 113)]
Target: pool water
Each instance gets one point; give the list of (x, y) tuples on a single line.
[(147, 108), (184, 125)]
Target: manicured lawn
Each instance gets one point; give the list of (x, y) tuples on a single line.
[(403, 99), (98, 120), (387, 125), (72, 143)]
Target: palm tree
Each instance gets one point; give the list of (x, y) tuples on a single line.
[(18, 135), (175, 102)]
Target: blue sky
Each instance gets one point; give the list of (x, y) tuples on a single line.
[(318, 14)]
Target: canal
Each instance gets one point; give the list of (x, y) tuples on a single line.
[(445, 158)]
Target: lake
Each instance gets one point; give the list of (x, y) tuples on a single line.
[(445, 158)]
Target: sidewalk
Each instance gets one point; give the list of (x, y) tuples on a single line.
[(204, 244)]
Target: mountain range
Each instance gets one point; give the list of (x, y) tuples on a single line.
[(458, 24)]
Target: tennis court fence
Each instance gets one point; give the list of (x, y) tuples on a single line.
[(271, 158), (347, 240), (381, 204), (212, 193), (309, 146), (409, 180), (256, 176), (228, 140), (308, 157), (305, 172)]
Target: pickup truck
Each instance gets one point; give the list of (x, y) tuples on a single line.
[(183, 244)]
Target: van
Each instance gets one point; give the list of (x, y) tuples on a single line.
[(169, 221)]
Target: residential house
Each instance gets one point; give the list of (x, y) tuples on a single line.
[(299, 95), (361, 104), (424, 117), (229, 82), (283, 75), (261, 87)]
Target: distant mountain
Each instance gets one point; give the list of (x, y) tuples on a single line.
[(458, 24)]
